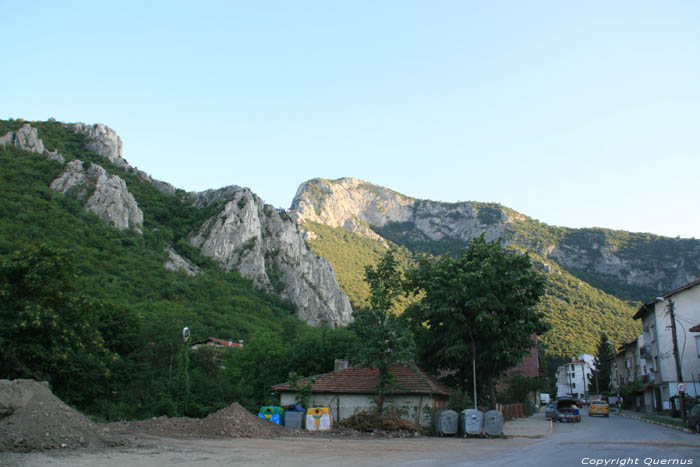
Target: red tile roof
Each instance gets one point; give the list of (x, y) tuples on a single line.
[(358, 380), (221, 342)]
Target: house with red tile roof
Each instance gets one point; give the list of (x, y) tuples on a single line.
[(348, 390), (218, 343)]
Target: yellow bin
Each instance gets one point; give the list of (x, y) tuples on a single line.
[(319, 419)]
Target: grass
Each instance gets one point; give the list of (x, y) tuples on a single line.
[(668, 421)]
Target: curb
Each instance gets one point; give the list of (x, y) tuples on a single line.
[(654, 422)]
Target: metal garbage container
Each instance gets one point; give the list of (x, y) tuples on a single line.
[(294, 417), (446, 423), (472, 422), (493, 421)]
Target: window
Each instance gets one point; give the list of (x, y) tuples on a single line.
[(697, 344)]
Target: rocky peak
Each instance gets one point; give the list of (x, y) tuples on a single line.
[(106, 142), (365, 208), (107, 196), (615, 261), (27, 139), (103, 141), (265, 245)]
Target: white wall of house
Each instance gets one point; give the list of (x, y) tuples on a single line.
[(413, 407), (657, 326), (573, 378)]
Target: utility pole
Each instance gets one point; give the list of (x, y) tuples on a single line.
[(679, 374), (476, 407)]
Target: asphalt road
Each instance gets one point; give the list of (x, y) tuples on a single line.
[(593, 441), (619, 441)]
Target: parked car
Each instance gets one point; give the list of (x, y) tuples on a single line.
[(694, 418), (599, 407), (550, 411), (568, 411)]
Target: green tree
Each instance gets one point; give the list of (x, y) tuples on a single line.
[(47, 332), (480, 304), (303, 388), (383, 337), (599, 379)]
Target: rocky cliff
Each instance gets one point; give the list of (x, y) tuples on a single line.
[(27, 139), (260, 242), (265, 245), (107, 196), (631, 266)]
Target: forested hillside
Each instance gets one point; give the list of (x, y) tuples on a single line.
[(134, 309), (577, 312)]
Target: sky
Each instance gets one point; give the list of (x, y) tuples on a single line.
[(578, 114)]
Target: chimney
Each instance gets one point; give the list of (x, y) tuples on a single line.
[(341, 365)]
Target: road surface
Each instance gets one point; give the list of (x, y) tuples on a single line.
[(593, 441)]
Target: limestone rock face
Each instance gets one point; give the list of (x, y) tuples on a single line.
[(163, 187), (176, 262), (265, 245), (103, 141), (377, 212), (27, 139), (640, 269), (107, 143), (107, 196), (365, 209)]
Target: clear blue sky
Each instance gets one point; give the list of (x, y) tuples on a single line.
[(580, 114)]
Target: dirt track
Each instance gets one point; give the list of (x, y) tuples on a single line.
[(307, 452)]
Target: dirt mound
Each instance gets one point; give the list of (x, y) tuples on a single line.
[(382, 425), (234, 421), (231, 422), (34, 419)]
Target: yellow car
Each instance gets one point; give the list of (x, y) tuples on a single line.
[(599, 408)]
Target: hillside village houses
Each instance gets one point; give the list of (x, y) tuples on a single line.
[(573, 377), (650, 359)]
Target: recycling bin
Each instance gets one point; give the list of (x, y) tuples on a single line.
[(319, 419), (272, 414)]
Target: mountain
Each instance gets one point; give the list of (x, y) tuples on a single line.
[(594, 275), (231, 225)]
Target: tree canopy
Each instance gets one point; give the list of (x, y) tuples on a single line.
[(599, 379), (47, 331), (383, 339), (483, 299)]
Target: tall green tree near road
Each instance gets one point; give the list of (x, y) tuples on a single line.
[(481, 304), (599, 379), (384, 338)]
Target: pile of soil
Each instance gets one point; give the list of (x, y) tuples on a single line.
[(381, 425), (34, 419), (231, 422)]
